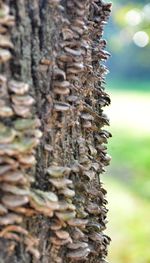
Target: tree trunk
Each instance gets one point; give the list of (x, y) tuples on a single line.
[(52, 144)]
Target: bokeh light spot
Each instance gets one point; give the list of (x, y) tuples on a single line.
[(133, 17), (141, 39)]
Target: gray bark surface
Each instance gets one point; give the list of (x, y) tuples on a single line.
[(72, 138)]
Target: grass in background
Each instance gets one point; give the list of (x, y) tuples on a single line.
[(128, 225), (128, 177), (131, 161), (130, 144)]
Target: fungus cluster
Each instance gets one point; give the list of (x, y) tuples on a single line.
[(74, 200), (76, 131), (19, 136)]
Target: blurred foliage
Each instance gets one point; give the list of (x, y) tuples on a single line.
[(141, 87), (130, 51)]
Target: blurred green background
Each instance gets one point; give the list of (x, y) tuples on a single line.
[(128, 177)]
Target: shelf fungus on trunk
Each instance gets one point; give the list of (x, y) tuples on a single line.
[(76, 131), (71, 198), (19, 136)]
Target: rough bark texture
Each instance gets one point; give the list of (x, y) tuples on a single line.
[(52, 201)]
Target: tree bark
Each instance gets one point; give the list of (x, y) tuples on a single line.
[(57, 211)]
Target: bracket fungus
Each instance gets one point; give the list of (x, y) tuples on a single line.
[(73, 151), (19, 137)]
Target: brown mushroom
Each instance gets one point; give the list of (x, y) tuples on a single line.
[(61, 234), (19, 88), (11, 218), (14, 200), (79, 254)]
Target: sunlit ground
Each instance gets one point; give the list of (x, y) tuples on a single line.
[(128, 225), (127, 179)]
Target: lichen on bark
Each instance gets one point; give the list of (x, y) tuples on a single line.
[(56, 47)]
